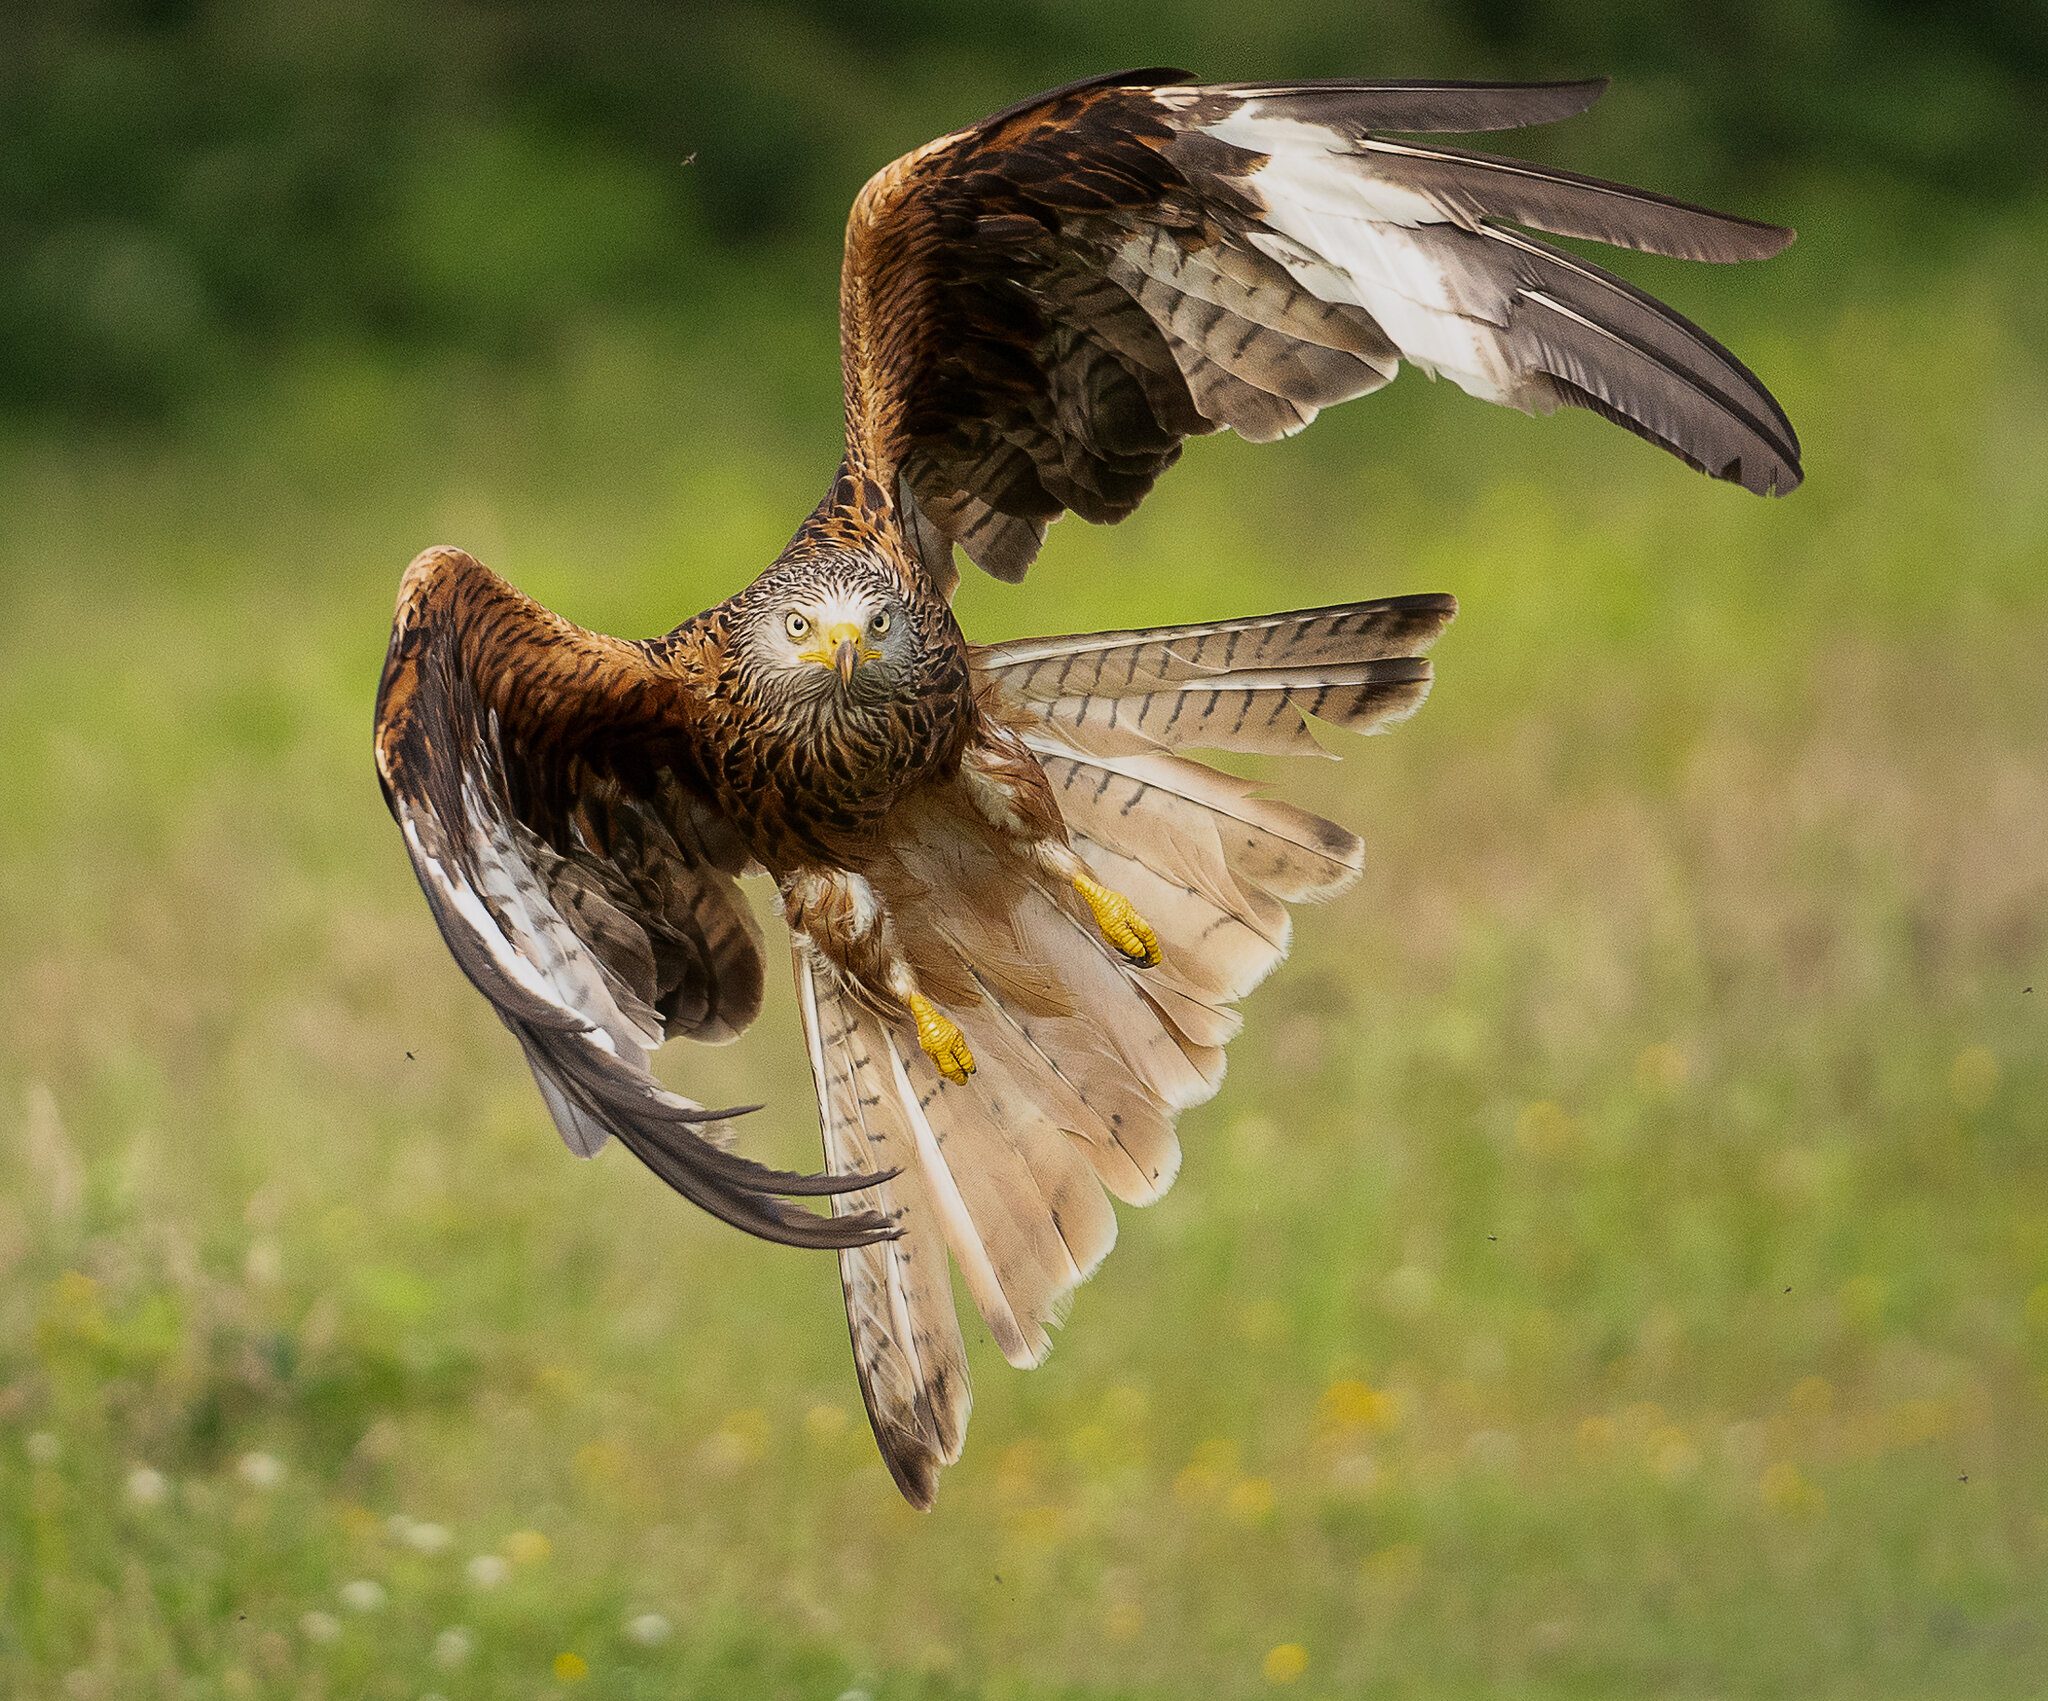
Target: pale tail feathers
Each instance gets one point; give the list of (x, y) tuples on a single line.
[(1084, 1061), (907, 1349)]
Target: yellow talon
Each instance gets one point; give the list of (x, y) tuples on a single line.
[(942, 1040), (1121, 925)]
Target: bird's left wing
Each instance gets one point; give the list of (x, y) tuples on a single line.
[(580, 885), (1037, 310)]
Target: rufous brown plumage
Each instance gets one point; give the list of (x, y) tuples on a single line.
[(1020, 918)]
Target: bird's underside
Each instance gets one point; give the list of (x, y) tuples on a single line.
[(1021, 915)]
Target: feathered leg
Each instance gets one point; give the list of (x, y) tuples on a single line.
[(1008, 787), (840, 915)]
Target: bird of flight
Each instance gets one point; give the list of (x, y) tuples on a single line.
[(1020, 917)]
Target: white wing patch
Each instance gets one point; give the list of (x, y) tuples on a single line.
[(1350, 236)]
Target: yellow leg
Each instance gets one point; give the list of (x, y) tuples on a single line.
[(1121, 925), (942, 1040)]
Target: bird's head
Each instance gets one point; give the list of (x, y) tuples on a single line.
[(814, 629)]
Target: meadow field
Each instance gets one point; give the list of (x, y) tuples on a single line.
[(1616, 1265)]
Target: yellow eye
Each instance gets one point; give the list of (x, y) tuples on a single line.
[(795, 624), (879, 624)]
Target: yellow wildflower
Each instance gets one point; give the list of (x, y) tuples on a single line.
[(1285, 1663), (1209, 1471), (1786, 1489), (1092, 1444), (1350, 1403), (527, 1547), (1251, 1498), (1672, 1454)]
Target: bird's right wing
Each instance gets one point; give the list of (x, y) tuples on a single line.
[(1036, 310), (579, 884)]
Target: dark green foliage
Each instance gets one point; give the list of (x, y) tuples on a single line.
[(193, 188)]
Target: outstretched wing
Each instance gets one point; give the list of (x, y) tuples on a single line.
[(580, 885), (1035, 312)]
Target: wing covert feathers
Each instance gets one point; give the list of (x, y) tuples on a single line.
[(494, 723), (1036, 311)]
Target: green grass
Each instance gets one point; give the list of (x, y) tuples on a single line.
[(1617, 1264)]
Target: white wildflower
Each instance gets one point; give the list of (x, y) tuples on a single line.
[(453, 1646), (365, 1594), (426, 1538), (487, 1571), (146, 1488), (649, 1630), (261, 1470)]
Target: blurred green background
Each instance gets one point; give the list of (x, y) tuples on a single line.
[(1618, 1262)]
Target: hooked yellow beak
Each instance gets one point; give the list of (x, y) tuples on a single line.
[(840, 648)]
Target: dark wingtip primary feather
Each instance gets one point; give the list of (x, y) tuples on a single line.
[(751, 1202), (745, 1173), (1494, 187), (795, 1186), (663, 1135)]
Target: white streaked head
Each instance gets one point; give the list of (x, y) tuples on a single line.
[(821, 627)]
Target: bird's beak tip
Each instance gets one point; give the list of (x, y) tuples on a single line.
[(845, 659)]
